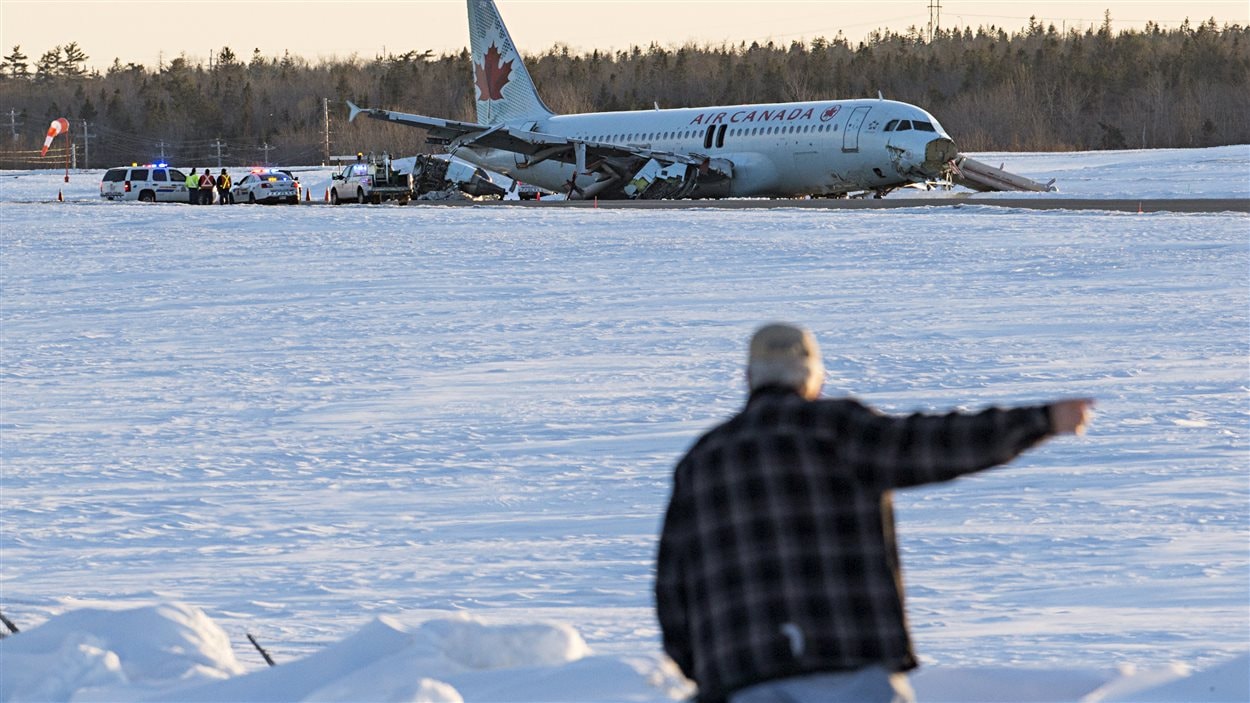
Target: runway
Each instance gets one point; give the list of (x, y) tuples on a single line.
[(1147, 205)]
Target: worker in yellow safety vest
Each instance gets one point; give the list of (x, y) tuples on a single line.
[(193, 188), (223, 188)]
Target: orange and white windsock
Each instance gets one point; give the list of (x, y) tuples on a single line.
[(59, 125)]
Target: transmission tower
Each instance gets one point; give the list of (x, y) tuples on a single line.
[(935, 17)]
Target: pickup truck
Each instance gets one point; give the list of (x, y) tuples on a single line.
[(370, 181)]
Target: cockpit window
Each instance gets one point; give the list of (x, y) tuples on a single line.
[(923, 126), (889, 126), (904, 125)]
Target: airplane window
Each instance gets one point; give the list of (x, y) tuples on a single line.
[(904, 126), (923, 126), (889, 126)]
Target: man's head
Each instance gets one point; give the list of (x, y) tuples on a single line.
[(788, 356)]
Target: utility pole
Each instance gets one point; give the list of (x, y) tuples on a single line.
[(86, 145), (162, 146), (13, 123), (325, 110), (219, 144), (935, 17), (266, 147)]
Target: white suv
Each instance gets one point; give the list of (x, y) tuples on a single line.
[(149, 184)]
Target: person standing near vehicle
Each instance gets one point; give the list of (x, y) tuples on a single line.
[(778, 574), (207, 184), (193, 187), (223, 188)]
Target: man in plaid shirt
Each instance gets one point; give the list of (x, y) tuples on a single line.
[(778, 572)]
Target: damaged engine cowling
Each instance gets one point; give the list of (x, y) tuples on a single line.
[(655, 180), (432, 174)]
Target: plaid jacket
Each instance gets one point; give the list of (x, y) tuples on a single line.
[(778, 554)]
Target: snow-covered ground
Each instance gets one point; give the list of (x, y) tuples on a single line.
[(421, 454)]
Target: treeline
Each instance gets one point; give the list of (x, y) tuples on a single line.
[(1038, 89)]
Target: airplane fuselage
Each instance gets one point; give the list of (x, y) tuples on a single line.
[(825, 147), (777, 150)]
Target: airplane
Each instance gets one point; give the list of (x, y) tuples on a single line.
[(778, 150)]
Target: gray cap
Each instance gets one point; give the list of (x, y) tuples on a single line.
[(785, 355)]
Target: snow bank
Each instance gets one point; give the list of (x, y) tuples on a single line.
[(175, 652), (115, 654)]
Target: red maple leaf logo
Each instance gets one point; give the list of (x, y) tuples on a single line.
[(491, 75)]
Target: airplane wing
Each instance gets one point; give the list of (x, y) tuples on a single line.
[(440, 129), (615, 166)]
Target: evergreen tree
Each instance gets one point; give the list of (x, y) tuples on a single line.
[(14, 65), (48, 67), (72, 63)]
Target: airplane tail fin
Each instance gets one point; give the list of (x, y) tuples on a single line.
[(505, 91)]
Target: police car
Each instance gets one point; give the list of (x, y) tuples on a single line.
[(151, 183), (265, 186)]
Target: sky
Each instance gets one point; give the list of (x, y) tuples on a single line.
[(150, 32)]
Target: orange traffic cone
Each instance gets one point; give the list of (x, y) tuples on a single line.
[(327, 195), (60, 198), (307, 195)]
